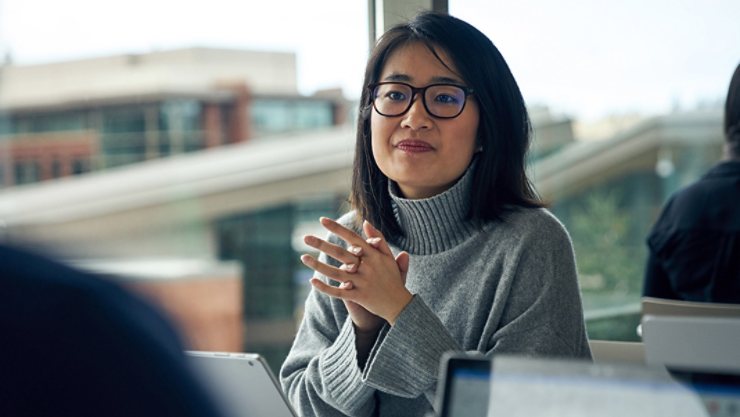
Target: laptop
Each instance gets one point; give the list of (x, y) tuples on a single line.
[(241, 383), (478, 386), (702, 352)]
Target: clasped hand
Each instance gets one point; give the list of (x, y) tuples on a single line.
[(372, 280)]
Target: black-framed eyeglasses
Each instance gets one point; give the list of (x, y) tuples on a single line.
[(443, 101)]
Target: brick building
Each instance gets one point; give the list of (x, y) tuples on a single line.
[(73, 117)]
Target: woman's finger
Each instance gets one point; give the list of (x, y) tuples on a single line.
[(335, 292), (375, 239), (350, 268), (349, 236), (330, 272), (345, 256)]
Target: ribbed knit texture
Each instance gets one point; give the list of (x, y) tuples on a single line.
[(509, 288), (435, 224)]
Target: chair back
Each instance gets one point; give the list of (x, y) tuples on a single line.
[(693, 344), (607, 351), (661, 307)]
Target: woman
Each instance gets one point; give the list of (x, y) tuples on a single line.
[(695, 243), (459, 254)]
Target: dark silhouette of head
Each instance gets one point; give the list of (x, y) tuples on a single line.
[(732, 117)]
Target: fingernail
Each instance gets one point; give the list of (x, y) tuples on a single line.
[(351, 267), (304, 259), (323, 220), (313, 281), (308, 239), (355, 249), (373, 240)]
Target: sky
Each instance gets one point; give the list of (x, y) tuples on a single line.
[(587, 59)]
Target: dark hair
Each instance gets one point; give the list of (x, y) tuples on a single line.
[(732, 116), (500, 182)]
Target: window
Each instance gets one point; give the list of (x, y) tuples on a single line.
[(276, 116), (26, 172)]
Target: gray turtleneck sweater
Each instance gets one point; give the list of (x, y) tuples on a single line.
[(510, 288)]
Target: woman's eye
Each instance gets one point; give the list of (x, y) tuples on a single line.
[(446, 99), (395, 95)]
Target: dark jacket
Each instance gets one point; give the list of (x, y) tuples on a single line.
[(75, 344), (695, 244)]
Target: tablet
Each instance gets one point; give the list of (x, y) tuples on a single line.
[(241, 383), (464, 385)]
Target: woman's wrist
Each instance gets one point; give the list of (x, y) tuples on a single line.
[(364, 341), (367, 333), (405, 301)]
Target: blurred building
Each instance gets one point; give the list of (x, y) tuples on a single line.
[(166, 200), (248, 202), (67, 118)]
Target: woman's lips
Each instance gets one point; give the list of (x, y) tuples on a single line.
[(414, 146)]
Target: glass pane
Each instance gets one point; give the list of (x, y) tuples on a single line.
[(143, 150), (613, 138)]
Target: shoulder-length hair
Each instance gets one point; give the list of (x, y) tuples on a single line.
[(732, 116), (500, 182)]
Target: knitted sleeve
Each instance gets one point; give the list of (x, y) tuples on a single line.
[(405, 360)]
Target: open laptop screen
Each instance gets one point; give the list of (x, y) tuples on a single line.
[(527, 387), (512, 386)]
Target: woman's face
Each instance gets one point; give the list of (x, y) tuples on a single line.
[(424, 155)]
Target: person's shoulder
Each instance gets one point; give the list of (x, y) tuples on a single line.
[(60, 287), (525, 227), (539, 221), (717, 183), (700, 202), (348, 220)]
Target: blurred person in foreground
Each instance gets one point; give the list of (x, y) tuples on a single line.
[(447, 248), (695, 244), (75, 344)]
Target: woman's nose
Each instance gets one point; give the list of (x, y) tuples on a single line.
[(417, 117)]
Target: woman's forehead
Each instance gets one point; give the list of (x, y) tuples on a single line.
[(414, 62)]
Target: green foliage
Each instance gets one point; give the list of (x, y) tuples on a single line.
[(600, 232), (619, 328)]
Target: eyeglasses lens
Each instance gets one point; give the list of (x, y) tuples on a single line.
[(441, 100), (445, 100)]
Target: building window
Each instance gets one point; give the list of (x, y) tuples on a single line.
[(43, 123), (275, 116), (275, 282), (56, 169), (26, 172), (80, 166)]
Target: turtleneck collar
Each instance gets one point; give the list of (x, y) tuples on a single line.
[(436, 224)]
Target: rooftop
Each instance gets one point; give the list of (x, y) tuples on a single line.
[(192, 71)]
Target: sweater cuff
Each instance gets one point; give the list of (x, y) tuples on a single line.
[(343, 376), (406, 361)]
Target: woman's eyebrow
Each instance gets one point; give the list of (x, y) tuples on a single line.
[(397, 77), (445, 80), (433, 80)]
